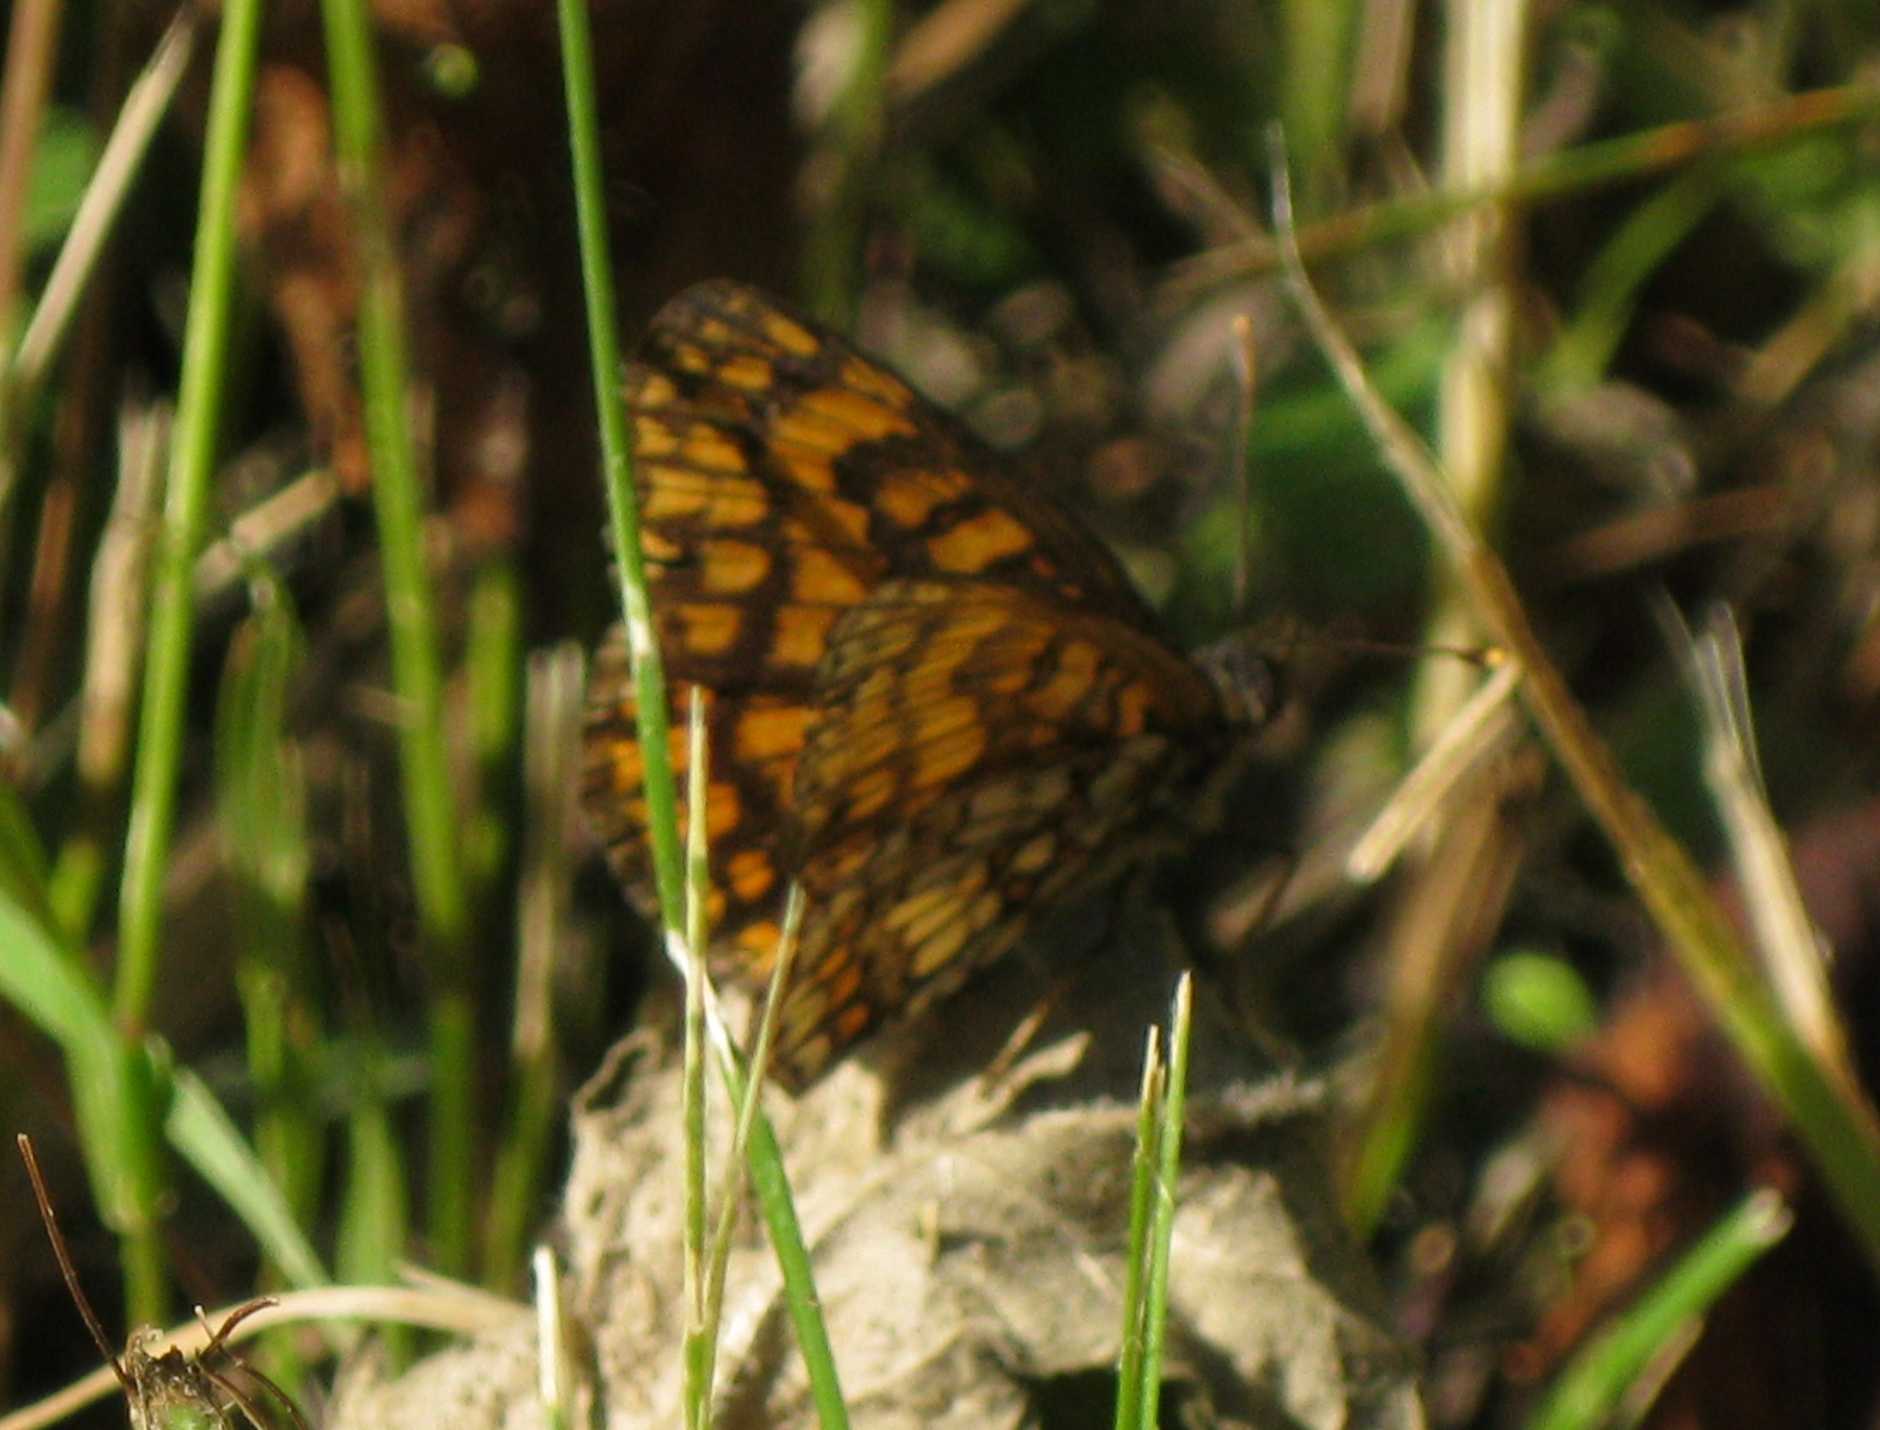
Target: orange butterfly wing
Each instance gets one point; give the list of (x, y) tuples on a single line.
[(934, 696)]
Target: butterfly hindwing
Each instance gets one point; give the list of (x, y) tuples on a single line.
[(979, 754)]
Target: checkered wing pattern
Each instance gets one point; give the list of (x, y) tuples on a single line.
[(932, 695)]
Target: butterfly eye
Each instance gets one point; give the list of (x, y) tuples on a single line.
[(1249, 681)]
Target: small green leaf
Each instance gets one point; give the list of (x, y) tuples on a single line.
[(1539, 1001)]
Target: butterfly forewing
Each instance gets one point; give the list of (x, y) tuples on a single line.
[(933, 695)]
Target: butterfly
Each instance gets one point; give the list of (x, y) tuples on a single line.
[(932, 695)]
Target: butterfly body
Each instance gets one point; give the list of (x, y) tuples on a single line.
[(932, 696)]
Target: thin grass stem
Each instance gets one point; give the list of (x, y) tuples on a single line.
[(431, 812), (1590, 166), (1129, 1379), (1170, 1116), (1838, 1132), (1590, 1390), (139, 120), (768, 1182), (166, 673), (544, 892), (697, 1350)]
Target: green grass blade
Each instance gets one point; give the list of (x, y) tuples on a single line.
[(431, 812), (1129, 1381), (208, 1139), (39, 974), (374, 1214), (848, 150), (767, 1179), (1840, 1132), (1609, 294), (698, 1346), (198, 424), (1168, 1150), (261, 810), (162, 718), (41, 979), (748, 1112), (597, 284), (24, 876), (496, 680), (1590, 1389), (550, 742)]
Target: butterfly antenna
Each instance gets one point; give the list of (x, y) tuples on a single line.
[(1487, 658), (1246, 385), (64, 1256)]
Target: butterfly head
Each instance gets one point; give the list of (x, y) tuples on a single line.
[(1249, 683)]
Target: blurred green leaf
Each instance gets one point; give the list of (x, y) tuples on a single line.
[(23, 868), (44, 980), (62, 166), (1539, 1001), (201, 1129)]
